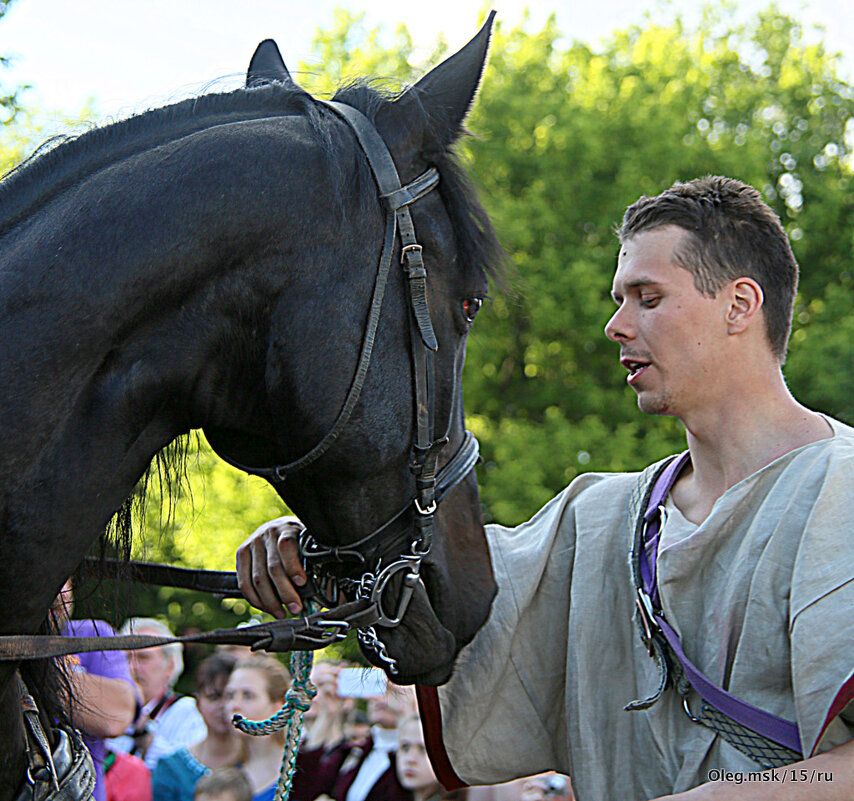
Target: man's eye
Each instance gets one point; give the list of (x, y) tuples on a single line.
[(648, 303), (471, 306)]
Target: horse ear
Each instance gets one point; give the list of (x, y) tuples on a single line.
[(446, 92), (267, 65)]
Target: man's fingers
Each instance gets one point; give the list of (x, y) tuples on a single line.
[(264, 588), (245, 582), (287, 547), (279, 577), (268, 566)]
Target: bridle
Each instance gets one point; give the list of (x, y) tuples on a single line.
[(382, 561)]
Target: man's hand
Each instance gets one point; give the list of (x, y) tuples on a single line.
[(826, 777), (268, 567)]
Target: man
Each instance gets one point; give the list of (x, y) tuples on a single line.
[(104, 695), (754, 557), (167, 721)]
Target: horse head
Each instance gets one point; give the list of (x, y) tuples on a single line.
[(360, 457)]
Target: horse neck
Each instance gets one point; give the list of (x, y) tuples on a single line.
[(119, 334)]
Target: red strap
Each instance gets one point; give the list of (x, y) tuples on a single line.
[(843, 698), (431, 721)]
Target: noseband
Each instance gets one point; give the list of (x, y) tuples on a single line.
[(381, 561)]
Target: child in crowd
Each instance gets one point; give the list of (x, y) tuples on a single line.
[(176, 775), (223, 784), (414, 771)]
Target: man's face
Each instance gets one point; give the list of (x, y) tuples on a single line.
[(151, 668), (672, 337)]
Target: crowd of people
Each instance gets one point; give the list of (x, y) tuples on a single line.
[(362, 740)]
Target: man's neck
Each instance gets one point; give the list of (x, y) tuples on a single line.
[(738, 437)]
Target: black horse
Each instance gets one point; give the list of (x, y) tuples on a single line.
[(210, 265)]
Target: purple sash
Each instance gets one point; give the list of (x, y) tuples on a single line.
[(757, 720)]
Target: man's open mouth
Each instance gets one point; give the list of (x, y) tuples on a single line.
[(635, 367)]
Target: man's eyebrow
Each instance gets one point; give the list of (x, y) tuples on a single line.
[(634, 284)]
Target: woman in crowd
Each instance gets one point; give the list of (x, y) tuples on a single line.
[(413, 767), (175, 776), (256, 690), (324, 720)]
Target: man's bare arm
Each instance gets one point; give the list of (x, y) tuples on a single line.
[(826, 777), (103, 707)]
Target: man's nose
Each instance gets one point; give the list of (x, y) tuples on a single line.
[(619, 328)]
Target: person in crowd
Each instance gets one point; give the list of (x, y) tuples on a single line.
[(324, 720), (127, 778), (104, 697), (256, 689), (414, 771), (223, 784), (168, 721), (368, 772), (175, 776), (357, 726), (323, 747), (741, 575)]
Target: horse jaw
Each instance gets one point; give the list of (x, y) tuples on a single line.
[(453, 600), (423, 649)]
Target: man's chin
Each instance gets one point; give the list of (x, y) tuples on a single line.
[(654, 404)]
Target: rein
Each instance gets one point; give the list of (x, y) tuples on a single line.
[(367, 609)]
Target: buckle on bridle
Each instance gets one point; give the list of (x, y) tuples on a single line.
[(413, 248), (431, 507)]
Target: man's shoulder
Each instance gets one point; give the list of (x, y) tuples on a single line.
[(843, 436), (184, 705), (615, 490)]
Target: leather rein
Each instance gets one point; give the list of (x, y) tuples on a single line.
[(380, 561)]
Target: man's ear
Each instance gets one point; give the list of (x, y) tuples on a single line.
[(745, 300)]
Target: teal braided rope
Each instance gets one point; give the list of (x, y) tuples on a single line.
[(290, 717)]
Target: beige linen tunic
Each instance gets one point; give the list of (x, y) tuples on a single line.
[(761, 594)]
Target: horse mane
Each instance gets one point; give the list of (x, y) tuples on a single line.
[(62, 162)]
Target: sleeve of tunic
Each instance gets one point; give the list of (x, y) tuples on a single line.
[(821, 610), (503, 711)]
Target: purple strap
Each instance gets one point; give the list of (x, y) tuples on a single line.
[(652, 518), (757, 720)]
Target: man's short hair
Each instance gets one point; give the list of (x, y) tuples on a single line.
[(732, 233), (224, 780)]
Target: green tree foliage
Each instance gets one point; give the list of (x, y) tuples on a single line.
[(9, 97), (568, 137)]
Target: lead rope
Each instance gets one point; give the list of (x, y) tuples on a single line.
[(290, 717)]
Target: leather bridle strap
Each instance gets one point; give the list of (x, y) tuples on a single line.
[(294, 634), (396, 199)]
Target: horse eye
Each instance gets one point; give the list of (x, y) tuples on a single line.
[(471, 306)]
